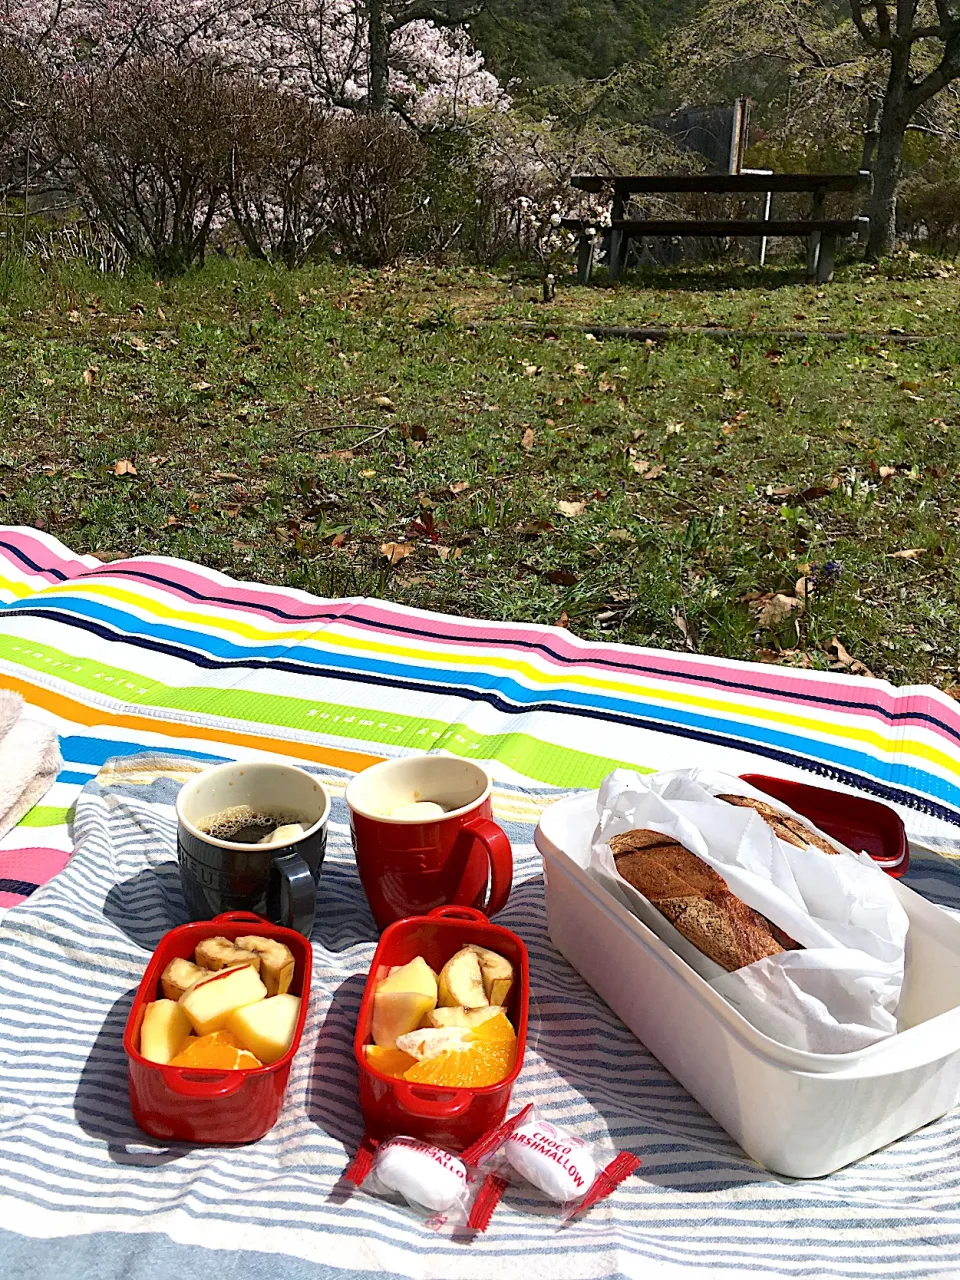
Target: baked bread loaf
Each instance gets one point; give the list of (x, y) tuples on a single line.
[(696, 900), (787, 828)]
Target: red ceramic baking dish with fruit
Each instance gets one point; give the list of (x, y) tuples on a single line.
[(452, 1117), (866, 826), (186, 1104)]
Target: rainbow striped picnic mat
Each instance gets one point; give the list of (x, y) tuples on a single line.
[(153, 652), (150, 666)]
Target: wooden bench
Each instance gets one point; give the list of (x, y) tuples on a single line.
[(820, 233)]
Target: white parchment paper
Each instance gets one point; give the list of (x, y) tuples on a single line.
[(838, 994)]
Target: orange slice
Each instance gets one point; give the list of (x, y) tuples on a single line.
[(495, 1028), (218, 1051), (490, 1056), (392, 1062), (471, 1068)]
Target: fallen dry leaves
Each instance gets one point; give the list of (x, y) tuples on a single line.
[(646, 469), (911, 553), (784, 657), (774, 608), (682, 626), (124, 467), (844, 661), (396, 551), (529, 437), (571, 509)]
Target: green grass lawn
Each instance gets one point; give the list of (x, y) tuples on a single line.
[(291, 427)]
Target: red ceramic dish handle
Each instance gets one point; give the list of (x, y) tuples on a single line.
[(239, 917), (495, 841), (221, 1087), (411, 1101), (457, 913)]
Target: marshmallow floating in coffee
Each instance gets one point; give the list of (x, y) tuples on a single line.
[(289, 831), (422, 1174), (556, 1162), (421, 810)]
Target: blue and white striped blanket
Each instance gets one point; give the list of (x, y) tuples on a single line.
[(83, 1192)]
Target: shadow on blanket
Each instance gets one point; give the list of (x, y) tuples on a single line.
[(101, 1101), (148, 905), (332, 1093)]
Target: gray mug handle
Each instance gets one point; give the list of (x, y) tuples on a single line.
[(298, 892)]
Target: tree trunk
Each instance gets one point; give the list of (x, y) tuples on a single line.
[(886, 169), (378, 88)]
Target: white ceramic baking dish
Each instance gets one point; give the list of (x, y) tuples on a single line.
[(797, 1113)]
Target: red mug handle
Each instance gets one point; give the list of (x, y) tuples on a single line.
[(221, 1087), (470, 914), (497, 844), (437, 1108)]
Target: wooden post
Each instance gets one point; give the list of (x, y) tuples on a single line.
[(618, 246), (813, 240), (767, 211), (739, 132), (585, 251), (826, 257)]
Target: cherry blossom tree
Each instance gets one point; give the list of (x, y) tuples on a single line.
[(320, 48)]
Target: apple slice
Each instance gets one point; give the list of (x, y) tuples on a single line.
[(400, 1001), (164, 1028), (209, 1004), (461, 982), (496, 971), (266, 1028), (457, 1016)]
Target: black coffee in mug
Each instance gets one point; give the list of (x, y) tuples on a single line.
[(252, 837), (244, 825)]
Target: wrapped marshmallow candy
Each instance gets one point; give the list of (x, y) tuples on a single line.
[(441, 1187), (573, 1173), (423, 1174), (556, 1162)]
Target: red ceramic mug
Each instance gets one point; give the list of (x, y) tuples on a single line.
[(424, 837)]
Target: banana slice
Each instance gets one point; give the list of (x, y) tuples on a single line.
[(221, 953), (497, 973), (276, 962), (461, 982), (179, 976)]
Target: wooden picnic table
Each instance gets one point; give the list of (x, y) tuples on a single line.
[(821, 233)]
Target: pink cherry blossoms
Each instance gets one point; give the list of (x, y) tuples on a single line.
[(317, 48)]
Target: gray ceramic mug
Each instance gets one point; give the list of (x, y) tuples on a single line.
[(278, 881)]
